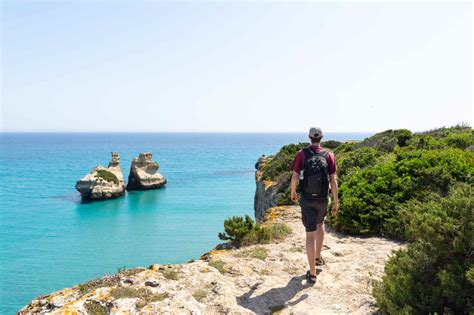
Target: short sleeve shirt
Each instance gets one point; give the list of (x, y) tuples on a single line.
[(298, 163)]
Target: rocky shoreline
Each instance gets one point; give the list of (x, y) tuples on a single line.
[(258, 279), (262, 279)]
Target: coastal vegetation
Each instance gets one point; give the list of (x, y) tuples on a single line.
[(94, 307), (435, 274), (107, 176), (218, 264), (170, 274), (243, 231), (415, 187), (145, 296), (255, 252), (108, 280), (200, 294)]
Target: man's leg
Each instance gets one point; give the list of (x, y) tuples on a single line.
[(319, 239), (310, 240)]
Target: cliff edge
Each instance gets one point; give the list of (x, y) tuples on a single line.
[(255, 279)]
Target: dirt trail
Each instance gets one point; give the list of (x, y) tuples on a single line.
[(247, 284)]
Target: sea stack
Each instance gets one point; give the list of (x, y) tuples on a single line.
[(143, 173), (103, 183)]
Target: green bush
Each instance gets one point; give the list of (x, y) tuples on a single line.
[(370, 197), (283, 188), (236, 228), (258, 235), (460, 140), (331, 144), (387, 140), (107, 176), (435, 273), (264, 234), (243, 232), (357, 159), (218, 264), (281, 162)]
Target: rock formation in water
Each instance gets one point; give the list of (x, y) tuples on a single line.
[(103, 183), (143, 173)]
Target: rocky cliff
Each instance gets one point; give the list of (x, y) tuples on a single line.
[(261, 279), (256, 279), (268, 193), (144, 173), (103, 183)]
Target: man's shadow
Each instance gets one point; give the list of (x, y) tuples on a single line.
[(274, 299)]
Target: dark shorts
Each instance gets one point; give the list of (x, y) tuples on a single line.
[(313, 213)]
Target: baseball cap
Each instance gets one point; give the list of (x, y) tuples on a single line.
[(315, 132)]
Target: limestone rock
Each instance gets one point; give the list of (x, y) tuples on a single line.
[(267, 193), (103, 183), (143, 173), (247, 285)]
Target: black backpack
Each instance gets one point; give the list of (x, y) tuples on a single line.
[(315, 183)]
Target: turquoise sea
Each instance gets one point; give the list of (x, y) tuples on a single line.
[(50, 240)]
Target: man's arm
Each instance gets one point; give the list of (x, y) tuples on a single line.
[(334, 190), (293, 185)]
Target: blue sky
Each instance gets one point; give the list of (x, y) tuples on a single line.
[(156, 66)]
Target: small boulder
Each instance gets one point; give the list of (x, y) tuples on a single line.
[(143, 173), (103, 183)]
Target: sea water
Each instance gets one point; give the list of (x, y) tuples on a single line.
[(49, 239)]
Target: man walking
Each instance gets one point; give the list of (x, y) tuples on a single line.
[(314, 168)]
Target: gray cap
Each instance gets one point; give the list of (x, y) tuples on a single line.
[(315, 132)]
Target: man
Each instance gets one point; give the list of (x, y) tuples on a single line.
[(314, 168)]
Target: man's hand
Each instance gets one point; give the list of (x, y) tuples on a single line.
[(294, 196), (335, 209), (293, 185), (335, 193)]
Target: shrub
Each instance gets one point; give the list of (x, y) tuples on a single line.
[(256, 252), (106, 281), (259, 253), (170, 274), (145, 295), (283, 188), (370, 197), (236, 228), (357, 159), (434, 274), (387, 140), (264, 234), (107, 176), (460, 140), (218, 264), (94, 307), (331, 144), (386, 144), (278, 231), (281, 162), (258, 235), (199, 294)]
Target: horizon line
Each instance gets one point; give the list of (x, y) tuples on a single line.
[(183, 132)]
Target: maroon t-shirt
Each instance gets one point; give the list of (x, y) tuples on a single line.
[(298, 163)]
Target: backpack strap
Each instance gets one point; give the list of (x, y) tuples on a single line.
[(308, 153), (312, 152)]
